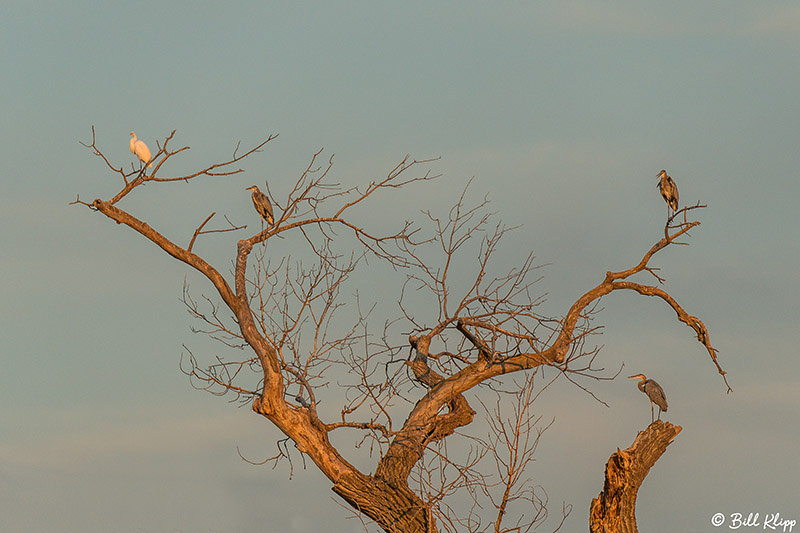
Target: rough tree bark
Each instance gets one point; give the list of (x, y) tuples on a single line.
[(614, 509), (487, 326)]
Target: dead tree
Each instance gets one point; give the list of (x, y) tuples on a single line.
[(614, 509), (463, 326)]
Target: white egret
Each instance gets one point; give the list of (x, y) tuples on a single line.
[(140, 150)]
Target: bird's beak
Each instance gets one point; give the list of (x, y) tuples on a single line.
[(633, 377)]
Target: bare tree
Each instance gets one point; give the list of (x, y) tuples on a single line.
[(401, 389)]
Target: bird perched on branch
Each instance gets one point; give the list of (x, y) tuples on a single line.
[(654, 392), (140, 150), (261, 202), (668, 190)]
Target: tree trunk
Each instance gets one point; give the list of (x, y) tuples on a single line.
[(395, 509), (614, 509)]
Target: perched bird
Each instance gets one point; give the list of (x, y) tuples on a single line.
[(262, 204), (668, 190), (654, 392), (140, 149)]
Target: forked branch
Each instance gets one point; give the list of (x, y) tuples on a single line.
[(289, 314)]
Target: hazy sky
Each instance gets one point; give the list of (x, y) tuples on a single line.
[(562, 111)]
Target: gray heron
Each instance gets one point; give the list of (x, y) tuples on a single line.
[(140, 150), (261, 202), (669, 191), (654, 392)]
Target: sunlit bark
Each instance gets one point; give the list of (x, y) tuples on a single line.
[(484, 325)]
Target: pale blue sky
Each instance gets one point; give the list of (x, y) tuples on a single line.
[(562, 111)]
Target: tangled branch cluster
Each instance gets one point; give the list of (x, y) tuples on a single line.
[(292, 319)]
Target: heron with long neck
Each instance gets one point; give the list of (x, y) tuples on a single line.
[(654, 392), (262, 204), (669, 191)]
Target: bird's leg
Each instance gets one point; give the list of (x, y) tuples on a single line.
[(652, 414)]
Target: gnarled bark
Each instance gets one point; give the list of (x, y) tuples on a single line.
[(614, 509), (395, 507)]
